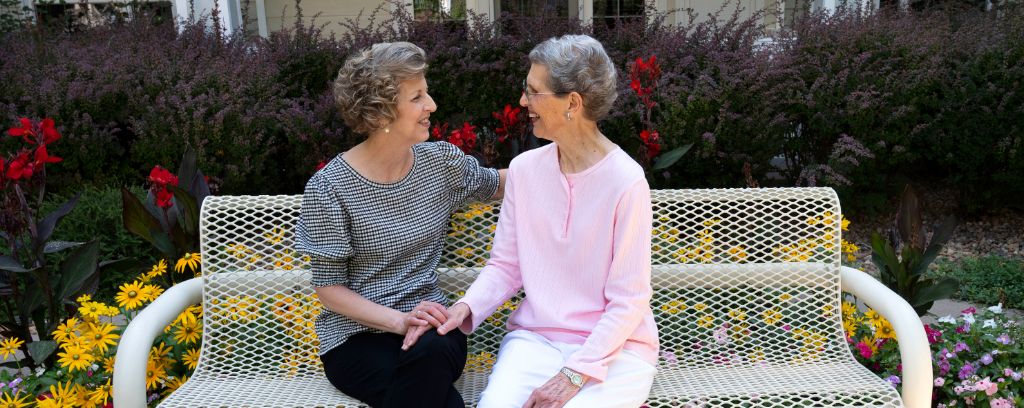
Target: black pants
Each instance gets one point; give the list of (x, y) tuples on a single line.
[(372, 368)]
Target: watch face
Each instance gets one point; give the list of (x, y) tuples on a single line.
[(574, 377)]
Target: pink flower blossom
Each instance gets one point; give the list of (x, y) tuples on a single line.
[(1001, 403)]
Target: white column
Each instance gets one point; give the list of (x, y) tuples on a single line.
[(482, 7), (586, 11), (261, 18), (659, 6)]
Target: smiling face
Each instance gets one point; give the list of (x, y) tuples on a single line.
[(414, 106), (547, 108)]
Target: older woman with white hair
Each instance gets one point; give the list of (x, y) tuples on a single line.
[(575, 235)]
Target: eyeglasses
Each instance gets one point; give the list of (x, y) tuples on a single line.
[(526, 91)]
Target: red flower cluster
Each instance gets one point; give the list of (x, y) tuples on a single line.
[(30, 160), (652, 141), (510, 120), (159, 179), (464, 138), (644, 77)]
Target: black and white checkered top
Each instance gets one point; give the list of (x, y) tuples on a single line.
[(384, 241)]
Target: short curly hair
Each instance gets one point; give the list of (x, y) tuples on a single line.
[(366, 90), (578, 63)]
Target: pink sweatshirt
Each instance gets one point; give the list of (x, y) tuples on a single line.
[(580, 247)]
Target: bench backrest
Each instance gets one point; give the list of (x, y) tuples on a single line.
[(742, 277)]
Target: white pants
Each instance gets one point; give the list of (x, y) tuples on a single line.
[(527, 360)]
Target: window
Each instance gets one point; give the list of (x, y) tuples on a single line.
[(535, 8), (74, 16), (612, 13), (439, 10)]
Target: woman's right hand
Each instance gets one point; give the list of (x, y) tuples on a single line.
[(456, 315)]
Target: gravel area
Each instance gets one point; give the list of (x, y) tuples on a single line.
[(999, 233)]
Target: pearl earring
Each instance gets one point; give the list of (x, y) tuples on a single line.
[(568, 116), (387, 130)]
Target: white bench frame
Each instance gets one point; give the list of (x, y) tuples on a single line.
[(129, 385)]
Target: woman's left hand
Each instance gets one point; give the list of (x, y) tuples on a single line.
[(553, 394)]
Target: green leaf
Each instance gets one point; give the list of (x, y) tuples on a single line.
[(57, 246), (883, 255), (187, 169), (31, 299), (670, 157), (77, 269), (40, 350), (141, 222), (935, 291), (189, 211), (10, 264), (46, 381), (47, 224), (200, 188)]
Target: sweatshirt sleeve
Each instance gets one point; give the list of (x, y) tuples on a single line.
[(501, 277)]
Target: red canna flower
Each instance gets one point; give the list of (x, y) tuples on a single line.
[(509, 119), (25, 131), (464, 138), (160, 176), (320, 165), (42, 158), (652, 141), (439, 131), (50, 133), (159, 179), (22, 167)]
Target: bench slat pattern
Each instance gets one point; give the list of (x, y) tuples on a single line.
[(747, 301)]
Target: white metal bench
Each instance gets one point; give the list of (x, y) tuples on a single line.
[(747, 300)]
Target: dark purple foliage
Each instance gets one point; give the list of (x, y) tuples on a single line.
[(842, 100)]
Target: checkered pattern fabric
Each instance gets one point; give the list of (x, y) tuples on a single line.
[(383, 241)]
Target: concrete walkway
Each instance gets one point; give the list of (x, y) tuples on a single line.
[(950, 307)]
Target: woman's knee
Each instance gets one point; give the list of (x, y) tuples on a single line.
[(432, 346)]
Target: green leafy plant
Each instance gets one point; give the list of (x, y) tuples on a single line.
[(986, 279), (904, 257), (169, 218), (41, 293)]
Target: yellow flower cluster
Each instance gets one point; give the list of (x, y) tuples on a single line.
[(674, 306), (855, 323), (498, 317), (706, 245), (297, 314), (274, 256), (68, 394), (83, 344), (481, 362), (471, 233), (812, 345)]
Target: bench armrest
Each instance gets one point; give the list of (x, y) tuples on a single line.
[(129, 388), (915, 353)]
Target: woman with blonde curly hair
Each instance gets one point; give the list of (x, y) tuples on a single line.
[(373, 222)]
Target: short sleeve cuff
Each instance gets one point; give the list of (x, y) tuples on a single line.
[(328, 272)]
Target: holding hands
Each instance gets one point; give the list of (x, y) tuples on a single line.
[(421, 318)]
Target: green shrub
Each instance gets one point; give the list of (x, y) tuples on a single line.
[(98, 215), (987, 280)]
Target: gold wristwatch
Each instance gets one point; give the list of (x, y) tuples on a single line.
[(574, 377)]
